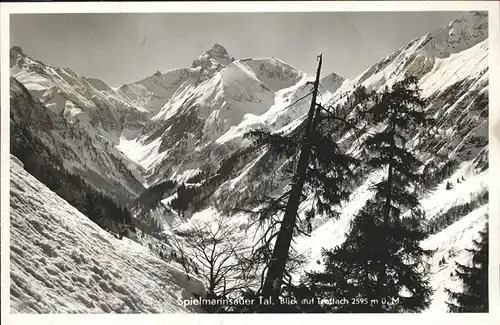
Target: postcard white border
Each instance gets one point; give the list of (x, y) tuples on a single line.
[(493, 9)]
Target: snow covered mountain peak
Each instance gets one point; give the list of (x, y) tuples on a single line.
[(20, 60), (16, 49), (332, 82), (89, 102), (15, 52), (209, 63), (464, 32), (220, 99), (461, 37), (216, 53), (154, 91), (474, 23)]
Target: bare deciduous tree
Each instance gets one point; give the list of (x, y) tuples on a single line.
[(215, 249)]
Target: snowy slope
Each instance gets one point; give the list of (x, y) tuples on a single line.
[(83, 151), (450, 245), (87, 101), (421, 55), (155, 91), (274, 73), (86, 120), (205, 119), (61, 262), (332, 82), (453, 79)]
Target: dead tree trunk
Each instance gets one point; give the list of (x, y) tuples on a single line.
[(277, 264)]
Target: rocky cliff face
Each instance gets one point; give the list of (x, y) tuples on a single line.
[(89, 102), (83, 152)]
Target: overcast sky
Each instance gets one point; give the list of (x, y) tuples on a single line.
[(122, 48)]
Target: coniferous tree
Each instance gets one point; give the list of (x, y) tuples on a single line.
[(322, 170), (380, 267), (474, 295)]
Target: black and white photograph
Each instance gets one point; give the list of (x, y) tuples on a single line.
[(247, 162)]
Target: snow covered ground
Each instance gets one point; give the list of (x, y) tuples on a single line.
[(450, 244), (61, 262), (333, 232)]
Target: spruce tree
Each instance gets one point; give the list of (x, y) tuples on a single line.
[(474, 295), (380, 266), (182, 201)]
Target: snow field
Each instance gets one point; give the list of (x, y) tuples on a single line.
[(63, 262), (450, 244)]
